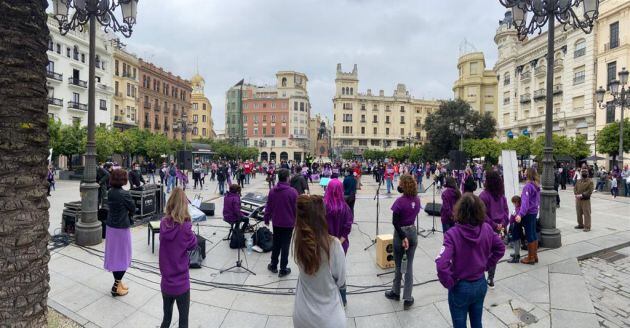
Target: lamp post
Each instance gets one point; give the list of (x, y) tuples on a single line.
[(546, 13), (182, 124), (621, 98), (462, 128), (91, 12)]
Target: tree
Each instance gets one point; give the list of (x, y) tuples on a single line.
[(561, 146), (54, 134), (608, 139), (522, 145), (108, 143), (579, 148), (157, 145), (73, 139), (24, 142), (489, 149), (347, 155), (442, 140)]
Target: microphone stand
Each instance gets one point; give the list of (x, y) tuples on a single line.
[(377, 198), (424, 233)]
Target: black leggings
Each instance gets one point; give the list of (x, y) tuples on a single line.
[(183, 306), (118, 275)]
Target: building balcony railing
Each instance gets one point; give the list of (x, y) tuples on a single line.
[(128, 75), (525, 98), (578, 79), (147, 105), (54, 76), (558, 64), (579, 53), (540, 71), (55, 101), (526, 76), (118, 94), (77, 82), (557, 89), (540, 94), (77, 105)]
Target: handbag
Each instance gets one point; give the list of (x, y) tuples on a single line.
[(195, 258)]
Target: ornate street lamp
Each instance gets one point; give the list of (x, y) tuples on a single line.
[(75, 15), (621, 99), (569, 13), (462, 128)]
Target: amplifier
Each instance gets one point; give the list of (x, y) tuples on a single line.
[(68, 221), (433, 209), (207, 208), (385, 251)]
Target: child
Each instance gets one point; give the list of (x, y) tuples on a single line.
[(176, 239), (613, 186), (517, 230)]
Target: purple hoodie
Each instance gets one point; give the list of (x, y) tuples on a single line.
[(530, 199), (281, 206), (449, 198), (497, 211), (468, 252), (232, 207), (340, 224), (175, 242)]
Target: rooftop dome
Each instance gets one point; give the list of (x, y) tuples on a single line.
[(197, 79)]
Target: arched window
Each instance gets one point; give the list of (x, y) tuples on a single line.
[(351, 90), (75, 53), (284, 81), (343, 91), (506, 78), (580, 48)]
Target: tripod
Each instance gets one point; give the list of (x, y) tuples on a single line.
[(239, 262), (425, 233), (378, 203)]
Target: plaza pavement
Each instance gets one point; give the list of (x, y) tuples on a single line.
[(550, 294)]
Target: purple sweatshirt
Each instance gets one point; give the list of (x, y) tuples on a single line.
[(530, 199), (340, 224), (449, 198), (468, 252), (497, 211), (232, 207), (281, 206), (175, 242)]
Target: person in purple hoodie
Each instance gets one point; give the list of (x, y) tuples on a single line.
[(281, 208), (339, 217), (232, 209), (176, 239), (469, 249), (530, 201), (497, 211), (450, 196)]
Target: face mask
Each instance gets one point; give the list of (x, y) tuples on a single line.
[(584, 175)]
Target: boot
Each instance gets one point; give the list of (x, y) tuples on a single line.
[(122, 284), (117, 289), (531, 257), (536, 251)]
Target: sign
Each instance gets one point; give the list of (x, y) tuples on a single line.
[(510, 175)]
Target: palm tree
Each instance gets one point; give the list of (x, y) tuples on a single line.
[(24, 138)]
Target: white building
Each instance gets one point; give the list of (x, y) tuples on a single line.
[(67, 73), (522, 71)]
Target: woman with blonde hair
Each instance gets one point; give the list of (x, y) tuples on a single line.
[(176, 240), (322, 265)]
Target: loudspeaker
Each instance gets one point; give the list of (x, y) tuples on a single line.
[(385, 251), (207, 208), (457, 160), (433, 209), (184, 159)]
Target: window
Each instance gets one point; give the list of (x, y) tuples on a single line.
[(273, 130), (387, 131), (203, 118), (284, 143), (362, 118), (362, 130), (295, 106), (83, 58), (97, 60), (347, 117), (506, 97), (195, 106), (402, 132), (402, 120), (375, 131), (351, 90), (68, 52), (264, 118), (362, 106), (58, 48), (284, 130), (474, 67), (402, 109), (273, 143), (387, 119), (50, 67), (579, 75), (506, 78), (264, 131), (194, 131), (75, 97), (204, 132), (610, 113), (612, 72), (375, 119), (75, 53), (51, 45), (195, 118), (273, 118), (103, 104), (347, 106), (614, 35), (204, 106), (580, 48), (301, 107), (347, 129)]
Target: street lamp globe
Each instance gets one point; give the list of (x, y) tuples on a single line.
[(519, 15), (129, 9), (80, 4), (591, 8), (599, 95), (623, 76), (60, 9), (614, 86)]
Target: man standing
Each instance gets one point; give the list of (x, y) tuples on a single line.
[(349, 189), (298, 182), (135, 176), (221, 177), (172, 173), (583, 190), (281, 209)]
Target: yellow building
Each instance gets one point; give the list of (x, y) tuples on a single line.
[(476, 85), (200, 124), (125, 113)]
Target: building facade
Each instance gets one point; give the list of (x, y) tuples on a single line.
[(165, 100), (125, 100), (200, 121), (476, 85), (613, 53), (67, 76), (273, 118), (522, 71), (368, 121)]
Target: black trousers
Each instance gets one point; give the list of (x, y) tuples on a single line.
[(281, 244), (118, 275), (350, 201), (183, 306)]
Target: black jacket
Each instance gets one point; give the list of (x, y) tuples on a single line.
[(120, 205), (135, 178), (299, 183)]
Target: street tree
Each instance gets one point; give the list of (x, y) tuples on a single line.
[(608, 139), (73, 139)]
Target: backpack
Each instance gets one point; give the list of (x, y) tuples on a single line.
[(237, 240), (263, 238)]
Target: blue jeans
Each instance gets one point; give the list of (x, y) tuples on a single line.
[(390, 185), (151, 176), (627, 191), (221, 187), (529, 223), (466, 299), (171, 183)]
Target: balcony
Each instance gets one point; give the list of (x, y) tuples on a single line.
[(54, 76), (540, 71), (578, 79), (526, 76), (157, 126), (156, 108), (557, 89), (77, 82), (77, 106), (55, 101), (147, 105), (579, 53), (363, 121), (128, 75), (540, 94), (147, 125), (525, 98), (558, 64), (166, 127), (118, 94), (166, 110)]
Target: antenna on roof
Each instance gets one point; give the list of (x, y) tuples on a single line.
[(466, 47)]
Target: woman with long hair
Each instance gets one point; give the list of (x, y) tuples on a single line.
[(322, 264), (176, 240), (469, 248), (530, 201), (117, 233), (497, 211), (404, 210), (450, 196)]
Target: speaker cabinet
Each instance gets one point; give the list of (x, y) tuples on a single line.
[(457, 160), (184, 159), (385, 251)]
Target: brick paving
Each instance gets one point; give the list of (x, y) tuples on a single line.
[(608, 281)]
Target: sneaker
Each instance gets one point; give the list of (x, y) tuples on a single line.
[(392, 296), (272, 268), (578, 227), (284, 272), (408, 303), (491, 283)]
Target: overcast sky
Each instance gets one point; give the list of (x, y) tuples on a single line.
[(416, 42)]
